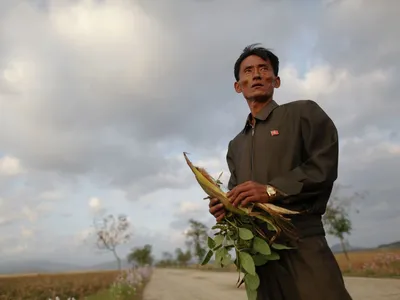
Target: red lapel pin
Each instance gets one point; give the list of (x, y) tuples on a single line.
[(274, 132)]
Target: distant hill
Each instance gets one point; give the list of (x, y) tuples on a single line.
[(39, 266), (111, 265), (337, 248), (391, 245), (35, 266)]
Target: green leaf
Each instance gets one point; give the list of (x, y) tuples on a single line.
[(219, 255), (261, 246), (273, 256), (260, 259), (232, 234), (246, 219), (271, 227), (227, 258), (247, 263), (207, 258), (245, 234), (218, 240), (252, 281), (251, 294), (229, 242), (243, 244), (280, 247), (210, 243)]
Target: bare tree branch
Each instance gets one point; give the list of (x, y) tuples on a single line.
[(112, 232)]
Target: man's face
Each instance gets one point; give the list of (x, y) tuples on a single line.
[(256, 79)]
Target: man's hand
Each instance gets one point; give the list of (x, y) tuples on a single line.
[(248, 192), (217, 209)]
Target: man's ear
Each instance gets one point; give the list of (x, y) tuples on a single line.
[(277, 82), (237, 87)]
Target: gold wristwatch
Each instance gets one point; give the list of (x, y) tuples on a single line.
[(271, 191)]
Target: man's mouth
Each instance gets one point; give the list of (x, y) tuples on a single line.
[(256, 85)]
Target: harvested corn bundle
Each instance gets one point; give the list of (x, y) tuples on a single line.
[(241, 231)]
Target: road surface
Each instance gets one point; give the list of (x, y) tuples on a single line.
[(170, 284)]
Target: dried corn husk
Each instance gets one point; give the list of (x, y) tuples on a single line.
[(212, 189)]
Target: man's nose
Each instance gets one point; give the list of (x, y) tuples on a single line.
[(256, 74)]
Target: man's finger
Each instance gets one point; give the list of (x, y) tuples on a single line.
[(242, 196), (221, 217), (249, 200), (216, 208), (213, 201), (239, 187), (218, 213), (237, 190)]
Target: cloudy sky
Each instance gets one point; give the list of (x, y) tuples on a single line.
[(98, 100)]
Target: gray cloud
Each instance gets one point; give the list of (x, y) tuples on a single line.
[(116, 106)]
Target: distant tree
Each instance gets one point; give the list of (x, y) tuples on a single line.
[(167, 256), (167, 260), (142, 256), (197, 238), (337, 220), (183, 257), (111, 232)]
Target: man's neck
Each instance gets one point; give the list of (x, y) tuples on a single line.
[(256, 107)]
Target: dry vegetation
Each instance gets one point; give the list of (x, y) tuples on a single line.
[(379, 263), (374, 263), (89, 285)]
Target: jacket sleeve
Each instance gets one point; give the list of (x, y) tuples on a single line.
[(321, 150), (231, 166)]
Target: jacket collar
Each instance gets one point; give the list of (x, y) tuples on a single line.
[(262, 115)]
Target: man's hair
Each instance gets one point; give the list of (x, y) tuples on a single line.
[(255, 49)]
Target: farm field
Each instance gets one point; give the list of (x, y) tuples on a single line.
[(100, 285), (375, 263), (368, 263)]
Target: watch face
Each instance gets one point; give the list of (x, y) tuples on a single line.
[(271, 191)]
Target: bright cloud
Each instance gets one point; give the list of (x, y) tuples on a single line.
[(10, 166)]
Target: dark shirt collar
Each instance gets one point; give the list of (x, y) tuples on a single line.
[(262, 115)]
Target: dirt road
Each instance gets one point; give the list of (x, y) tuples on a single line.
[(201, 285)]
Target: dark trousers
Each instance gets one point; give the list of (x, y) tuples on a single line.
[(309, 272)]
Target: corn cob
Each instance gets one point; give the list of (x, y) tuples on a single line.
[(211, 188)]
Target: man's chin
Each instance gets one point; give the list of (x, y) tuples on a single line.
[(260, 98)]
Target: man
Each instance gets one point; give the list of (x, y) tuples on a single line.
[(287, 155)]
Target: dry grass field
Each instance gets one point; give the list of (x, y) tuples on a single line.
[(369, 263), (379, 263), (45, 286), (80, 285)]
